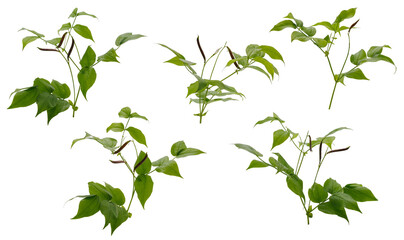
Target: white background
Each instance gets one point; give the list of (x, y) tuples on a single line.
[(217, 199)]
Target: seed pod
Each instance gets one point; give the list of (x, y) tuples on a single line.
[(338, 150), (320, 153), (232, 57), (48, 49), (140, 163), (61, 40), (115, 162), (71, 49), (310, 143), (200, 49), (122, 147), (353, 25)]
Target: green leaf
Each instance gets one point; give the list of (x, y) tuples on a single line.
[(65, 27), (126, 112), (43, 85), (97, 189), (86, 14), (248, 149), (145, 167), (108, 143), (117, 195), (88, 206), (271, 52), (380, 58), (122, 217), (123, 38), (167, 166), (348, 201), (279, 137), (27, 40), (376, 50), (253, 51), (358, 58), (137, 135), (281, 165), (331, 186), (295, 184), (109, 56), (268, 66), (299, 23), (86, 77), (60, 90), (310, 31), (144, 188), (334, 207), (336, 130), (88, 58), (345, 14), (325, 24), (83, 31), (270, 119), (260, 70), (61, 106), (45, 101), (74, 13), (179, 61), (359, 192), (317, 193), (116, 127), (299, 36), (25, 98), (114, 215), (320, 42), (284, 24), (177, 147), (189, 152), (257, 164), (39, 35), (54, 41), (356, 74)]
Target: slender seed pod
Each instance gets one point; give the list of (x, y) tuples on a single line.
[(338, 150), (140, 163), (320, 153), (200, 49), (61, 40), (232, 57), (48, 49), (310, 144), (115, 162), (353, 25), (71, 49), (122, 147)]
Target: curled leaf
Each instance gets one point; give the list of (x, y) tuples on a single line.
[(122, 147)]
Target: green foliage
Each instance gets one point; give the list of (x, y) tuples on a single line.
[(82, 68), (324, 44), (330, 198), (205, 90), (109, 200)]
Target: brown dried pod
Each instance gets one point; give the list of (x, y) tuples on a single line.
[(338, 150), (48, 49), (70, 50), (140, 163), (200, 49), (61, 40), (122, 147), (310, 144), (353, 25), (232, 57), (115, 162)]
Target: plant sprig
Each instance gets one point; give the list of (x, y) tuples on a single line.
[(331, 197), (52, 97), (306, 34), (207, 90), (109, 200)]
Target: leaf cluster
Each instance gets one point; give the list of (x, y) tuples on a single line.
[(113, 210), (204, 91), (53, 99), (330, 197), (324, 44)]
